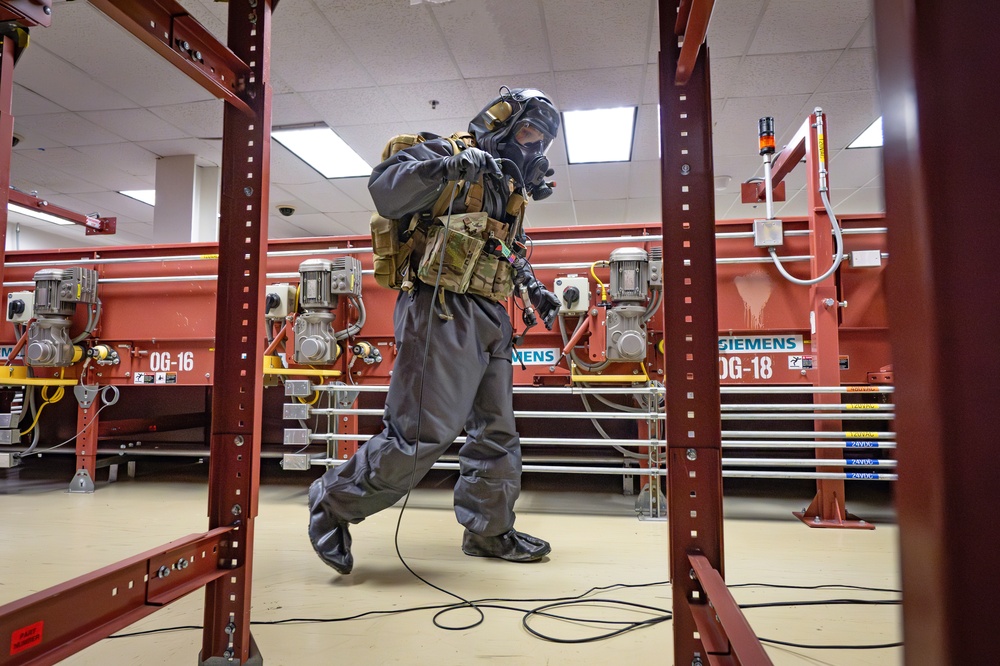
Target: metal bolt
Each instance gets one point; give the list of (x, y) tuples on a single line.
[(184, 46), (238, 440), (692, 454), (228, 654), (691, 574), (181, 564), (163, 572), (252, 18), (685, 169), (828, 302), (248, 190), (197, 55), (237, 509), (253, 3), (230, 628), (47, 10)]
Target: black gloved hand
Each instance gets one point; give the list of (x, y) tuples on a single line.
[(546, 303), (470, 164)]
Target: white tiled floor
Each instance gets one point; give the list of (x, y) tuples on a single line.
[(49, 536)]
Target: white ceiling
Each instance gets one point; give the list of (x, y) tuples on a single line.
[(95, 108)]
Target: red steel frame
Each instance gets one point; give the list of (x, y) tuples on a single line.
[(939, 99), (690, 323), (93, 225), (827, 508), (47, 626)]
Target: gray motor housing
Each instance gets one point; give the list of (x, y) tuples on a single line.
[(626, 333), (314, 339)]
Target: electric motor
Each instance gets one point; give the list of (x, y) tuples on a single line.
[(629, 274), (57, 291), (322, 281)]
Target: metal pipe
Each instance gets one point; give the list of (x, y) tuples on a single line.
[(740, 388), (630, 471), (533, 441), (809, 407), (842, 416), (803, 462), (858, 231), (632, 416), (765, 474), (775, 444), (819, 434)]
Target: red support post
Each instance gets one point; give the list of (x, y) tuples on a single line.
[(939, 95), (234, 472), (827, 508)]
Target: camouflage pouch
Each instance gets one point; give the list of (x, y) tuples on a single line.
[(491, 276), (391, 259), (460, 252)]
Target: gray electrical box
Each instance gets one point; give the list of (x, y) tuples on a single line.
[(20, 306), (296, 411), (284, 294), (295, 461), (767, 233), (298, 388)]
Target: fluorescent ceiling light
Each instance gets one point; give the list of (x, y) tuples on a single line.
[(37, 214), (323, 150), (145, 196), (871, 137), (599, 135)]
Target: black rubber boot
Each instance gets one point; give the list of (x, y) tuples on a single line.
[(512, 546), (329, 538)]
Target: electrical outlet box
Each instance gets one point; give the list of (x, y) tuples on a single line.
[(296, 436), (296, 411), (767, 233), (866, 259), (20, 306), (574, 294), (8, 460), (298, 388), (295, 461), (282, 297)]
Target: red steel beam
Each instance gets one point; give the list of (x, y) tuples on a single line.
[(694, 30), (742, 642), (167, 28), (94, 225), (6, 135), (234, 471), (939, 99), (53, 624), (28, 13)]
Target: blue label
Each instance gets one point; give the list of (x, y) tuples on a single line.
[(872, 476), (861, 444), (760, 343), (535, 356)]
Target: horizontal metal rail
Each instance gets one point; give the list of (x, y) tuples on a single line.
[(840, 416), (810, 462), (863, 388), (846, 476), (811, 407), (776, 444), (819, 434), (632, 416)]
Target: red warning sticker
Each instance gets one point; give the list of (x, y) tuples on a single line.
[(29, 636)]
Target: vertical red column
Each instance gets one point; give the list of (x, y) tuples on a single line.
[(827, 508), (238, 386), (694, 437), (6, 138), (939, 95)]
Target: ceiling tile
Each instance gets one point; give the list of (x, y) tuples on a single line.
[(198, 119), (209, 153), (579, 33), (735, 130), (783, 74), (544, 214), (358, 106), (646, 210), (287, 168), (28, 174), (396, 41), (292, 109), (118, 205), (68, 129), (134, 124), (65, 85), (732, 28), (486, 89), (128, 157), (413, 100), (27, 103), (309, 54), (603, 211), (728, 207), (854, 71), (492, 48), (856, 167), (791, 26), (357, 190), (644, 179), (599, 88), (599, 181), (646, 145), (848, 114), (861, 200), (323, 196), (354, 223)]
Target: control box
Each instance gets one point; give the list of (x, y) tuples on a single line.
[(20, 306), (280, 298), (574, 294), (767, 233)]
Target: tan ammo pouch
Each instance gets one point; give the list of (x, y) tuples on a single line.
[(391, 258), (452, 252), (466, 267)]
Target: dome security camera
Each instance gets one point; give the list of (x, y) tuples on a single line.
[(286, 210)]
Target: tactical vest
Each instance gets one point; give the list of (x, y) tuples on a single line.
[(403, 249)]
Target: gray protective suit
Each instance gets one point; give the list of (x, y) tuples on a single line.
[(464, 382)]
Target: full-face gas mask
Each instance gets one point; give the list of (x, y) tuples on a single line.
[(519, 126)]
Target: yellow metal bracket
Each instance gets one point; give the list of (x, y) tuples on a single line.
[(17, 375), (274, 366)]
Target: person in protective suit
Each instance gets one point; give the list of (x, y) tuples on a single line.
[(451, 374)]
